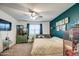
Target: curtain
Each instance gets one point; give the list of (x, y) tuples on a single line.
[(28, 31), (41, 32)]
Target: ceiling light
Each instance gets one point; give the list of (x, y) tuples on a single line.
[(34, 17), (33, 14)]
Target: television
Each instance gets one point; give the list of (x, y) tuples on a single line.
[(5, 25)]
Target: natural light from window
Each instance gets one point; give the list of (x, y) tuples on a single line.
[(34, 29)]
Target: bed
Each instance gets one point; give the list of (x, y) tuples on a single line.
[(47, 46)]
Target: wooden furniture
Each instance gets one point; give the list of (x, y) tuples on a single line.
[(21, 34), (21, 39)]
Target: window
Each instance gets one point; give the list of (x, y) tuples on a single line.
[(2, 26), (34, 29), (5, 25)]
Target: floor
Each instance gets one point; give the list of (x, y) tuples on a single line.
[(23, 49)]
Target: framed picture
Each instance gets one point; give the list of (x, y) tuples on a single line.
[(63, 27), (58, 28), (66, 20), (63, 22), (60, 22), (57, 23)]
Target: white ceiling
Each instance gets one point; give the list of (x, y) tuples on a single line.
[(49, 11)]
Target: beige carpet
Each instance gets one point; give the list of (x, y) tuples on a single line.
[(22, 50), (19, 50)]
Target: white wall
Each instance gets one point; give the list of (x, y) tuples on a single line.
[(1, 47), (45, 25), (12, 33)]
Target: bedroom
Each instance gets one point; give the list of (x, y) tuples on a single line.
[(37, 28)]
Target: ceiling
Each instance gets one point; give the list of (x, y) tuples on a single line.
[(49, 11)]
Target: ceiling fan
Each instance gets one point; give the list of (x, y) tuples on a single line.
[(34, 14)]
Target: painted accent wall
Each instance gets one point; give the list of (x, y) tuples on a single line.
[(72, 13)]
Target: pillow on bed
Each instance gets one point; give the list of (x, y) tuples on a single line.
[(56, 38), (68, 47)]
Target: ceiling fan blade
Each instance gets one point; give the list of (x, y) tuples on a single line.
[(41, 16), (37, 15), (30, 10)]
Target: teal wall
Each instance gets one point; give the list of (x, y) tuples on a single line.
[(72, 13)]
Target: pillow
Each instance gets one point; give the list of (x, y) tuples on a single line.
[(56, 38), (68, 47)]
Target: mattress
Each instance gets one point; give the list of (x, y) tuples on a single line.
[(47, 46)]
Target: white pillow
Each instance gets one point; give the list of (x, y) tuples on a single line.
[(56, 38)]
